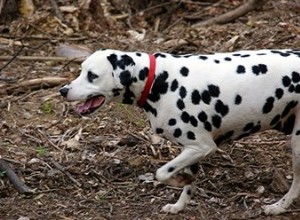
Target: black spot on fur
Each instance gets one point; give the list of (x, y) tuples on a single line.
[(125, 78), (177, 133), (128, 96), (138, 54), (241, 69), (268, 106), (245, 55), (113, 60), (172, 122), (182, 92), (174, 85), (159, 130), (125, 61), (288, 108), (292, 88), (279, 93), (281, 53), (236, 54), (297, 132), (202, 116), (143, 73), (225, 137), (203, 57), (217, 61), (207, 126), (184, 71), (189, 192), (256, 128), (216, 121), (196, 97), (194, 168), (171, 169), (263, 68), (185, 117), (221, 108), (286, 81), (213, 90), (260, 68), (248, 126), (180, 104), (297, 88), (295, 77), (160, 55), (116, 92), (288, 125), (275, 120), (227, 59), (238, 100), (206, 97), (193, 121), (149, 108), (191, 135), (278, 126), (160, 87)]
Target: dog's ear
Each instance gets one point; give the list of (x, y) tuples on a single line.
[(113, 59), (123, 62)]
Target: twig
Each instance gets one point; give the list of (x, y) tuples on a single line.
[(62, 169), (36, 58), (31, 84), (12, 58), (58, 13), (14, 179), (231, 15)]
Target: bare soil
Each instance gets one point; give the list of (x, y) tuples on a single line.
[(104, 155)]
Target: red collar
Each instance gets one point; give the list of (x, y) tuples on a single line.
[(150, 79)]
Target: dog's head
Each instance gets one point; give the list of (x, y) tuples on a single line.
[(104, 75)]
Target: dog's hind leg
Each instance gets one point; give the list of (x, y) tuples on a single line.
[(170, 172), (294, 191), (186, 194)]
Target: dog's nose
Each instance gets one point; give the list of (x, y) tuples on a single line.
[(64, 91)]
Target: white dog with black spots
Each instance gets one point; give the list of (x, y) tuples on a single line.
[(199, 101)]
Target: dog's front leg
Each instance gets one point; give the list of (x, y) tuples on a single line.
[(169, 173)]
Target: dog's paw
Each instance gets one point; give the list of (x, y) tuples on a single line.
[(172, 208), (273, 209)]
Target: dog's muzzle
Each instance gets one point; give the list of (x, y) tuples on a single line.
[(64, 91)]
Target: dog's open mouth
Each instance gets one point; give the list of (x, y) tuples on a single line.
[(91, 105)]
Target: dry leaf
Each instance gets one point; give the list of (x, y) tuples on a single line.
[(68, 9), (26, 8), (72, 51), (136, 35)]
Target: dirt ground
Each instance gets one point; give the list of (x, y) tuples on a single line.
[(93, 167)]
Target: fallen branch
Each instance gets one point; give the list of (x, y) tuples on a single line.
[(32, 84), (36, 58), (14, 179), (231, 15)]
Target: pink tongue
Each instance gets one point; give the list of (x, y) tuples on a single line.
[(90, 104)]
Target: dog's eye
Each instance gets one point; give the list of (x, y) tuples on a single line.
[(91, 76)]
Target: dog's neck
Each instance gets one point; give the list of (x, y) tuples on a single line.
[(140, 74)]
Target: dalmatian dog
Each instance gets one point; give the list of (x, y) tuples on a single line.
[(199, 101)]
